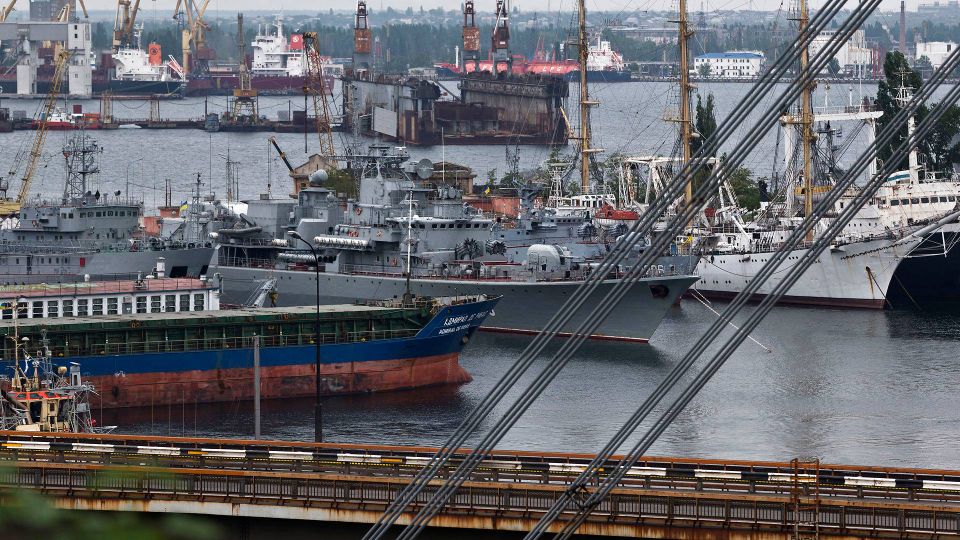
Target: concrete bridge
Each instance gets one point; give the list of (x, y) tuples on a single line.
[(352, 484)]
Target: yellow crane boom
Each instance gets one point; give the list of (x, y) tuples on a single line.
[(5, 11), (314, 87), (123, 22), (8, 206)]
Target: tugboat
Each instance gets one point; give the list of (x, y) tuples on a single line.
[(52, 400)]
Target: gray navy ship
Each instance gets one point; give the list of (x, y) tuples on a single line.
[(86, 234), (404, 221)]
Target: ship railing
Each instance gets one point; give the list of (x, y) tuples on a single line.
[(106, 285), (238, 342), (247, 262)]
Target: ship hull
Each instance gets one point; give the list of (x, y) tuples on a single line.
[(931, 274), (431, 357), (51, 265), (601, 76), (119, 86), (525, 307), (223, 85), (854, 275)]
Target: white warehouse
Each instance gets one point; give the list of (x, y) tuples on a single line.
[(733, 64), (935, 51)]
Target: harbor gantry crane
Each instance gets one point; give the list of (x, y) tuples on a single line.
[(313, 86), (5, 11), (66, 12), (123, 22), (12, 206), (196, 55)]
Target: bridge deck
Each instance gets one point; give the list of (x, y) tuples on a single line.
[(660, 497)]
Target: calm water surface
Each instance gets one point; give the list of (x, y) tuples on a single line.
[(847, 386)]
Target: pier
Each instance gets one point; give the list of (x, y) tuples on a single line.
[(352, 484)]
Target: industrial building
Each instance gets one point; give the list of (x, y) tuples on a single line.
[(733, 64), (935, 51)]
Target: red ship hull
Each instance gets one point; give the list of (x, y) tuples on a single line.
[(214, 85), (291, 381)]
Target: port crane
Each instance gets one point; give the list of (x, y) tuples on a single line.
[(5, 11), (314, 87), (12, 206), (193, 35), (67, 11), (124, 21)]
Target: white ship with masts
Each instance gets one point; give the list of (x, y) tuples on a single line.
[(860, 266)]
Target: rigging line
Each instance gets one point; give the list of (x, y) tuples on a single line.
[(576, 302), (619, 289), (700, 298), (618, 254), (781, 290), (728, 348), (806, 77)]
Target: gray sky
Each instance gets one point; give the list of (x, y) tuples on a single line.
[(526, 5)]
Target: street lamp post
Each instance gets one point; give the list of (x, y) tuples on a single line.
[(318, 408)]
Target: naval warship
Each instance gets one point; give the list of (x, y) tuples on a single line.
[(87, 234), (407, 234)]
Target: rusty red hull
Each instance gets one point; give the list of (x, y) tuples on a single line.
[(211, 386)]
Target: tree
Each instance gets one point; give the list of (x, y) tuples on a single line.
[(704, 70), (706, 123), (940, 149), (833, 68), (745, 189)]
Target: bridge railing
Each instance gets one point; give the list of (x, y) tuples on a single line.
[(625, 506)]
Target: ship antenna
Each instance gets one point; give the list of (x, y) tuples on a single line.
[(407, 297)]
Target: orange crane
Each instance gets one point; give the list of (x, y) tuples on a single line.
[(314, 87), (12, 206)]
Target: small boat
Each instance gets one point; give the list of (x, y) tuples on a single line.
[(609, 216), (50, 399)]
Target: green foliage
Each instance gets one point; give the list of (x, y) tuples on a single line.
[(833, 68), (341, 181), (704, 70), (745, 189), (26, 513), (706, 122), (939, 149)]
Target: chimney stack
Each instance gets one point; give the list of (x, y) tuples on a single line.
[(903, 27)]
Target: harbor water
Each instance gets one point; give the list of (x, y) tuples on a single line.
[(859, 387), (865, 387)]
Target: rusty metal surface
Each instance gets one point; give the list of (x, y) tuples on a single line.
[(629, 511)]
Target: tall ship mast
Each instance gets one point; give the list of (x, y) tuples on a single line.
[(806, 120), (686, 129), (583, 51)]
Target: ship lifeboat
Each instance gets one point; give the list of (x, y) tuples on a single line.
[(608, 216)]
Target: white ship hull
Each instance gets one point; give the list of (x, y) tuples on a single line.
[(852, 275)]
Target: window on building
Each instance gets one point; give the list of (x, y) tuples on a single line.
[(198, 302), (37, 309), (113, 306), (141, 304), (83, 307), (171, 303), (155, 304), (68, 308), (98, 306), (53, 308), (184, 302)]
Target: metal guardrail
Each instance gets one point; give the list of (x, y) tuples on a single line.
[(526, 500)]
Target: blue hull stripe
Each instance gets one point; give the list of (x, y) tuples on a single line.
[(442, 335)]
